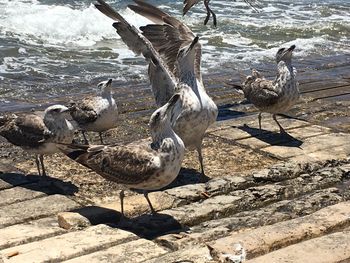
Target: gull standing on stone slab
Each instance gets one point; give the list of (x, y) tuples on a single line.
[(144, 165), (96, 113), (274, 96), (174, 55), (39, 135)]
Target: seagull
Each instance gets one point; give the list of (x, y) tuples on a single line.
[(174, 55), (39, 135), (189, 3), (96, 113), (143, 165), (274, 96)]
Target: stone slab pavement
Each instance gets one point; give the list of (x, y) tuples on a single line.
[(301, 200)]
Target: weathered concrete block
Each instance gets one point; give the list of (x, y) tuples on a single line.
[(197, 254), (32, 209), (326, 142), (208, 209), (133, 251), (18, 194), (70, 245), (273, 213), (278, 172), (327, 249), (267, 238), (29, 232), (71, 220)]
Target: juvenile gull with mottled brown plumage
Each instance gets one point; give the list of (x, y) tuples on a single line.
[(97, 113), (143, 165), (39, 135), (174, 55), (274, 96)]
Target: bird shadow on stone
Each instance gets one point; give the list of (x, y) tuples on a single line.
[(226, 112), (44, 184), (151, 226), (272, 138), (147, 226), (188, 176)]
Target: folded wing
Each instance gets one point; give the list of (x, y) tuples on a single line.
[(26, 131), (83, 112), (261, 92), (121, 164)]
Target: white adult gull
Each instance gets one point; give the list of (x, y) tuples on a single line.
[(174, 56), (97, 113), (144, 165), (39, 135), (274, 96)]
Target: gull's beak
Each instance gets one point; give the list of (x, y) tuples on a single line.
[(194, 42), (109, 82), (65, 109)]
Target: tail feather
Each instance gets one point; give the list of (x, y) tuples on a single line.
[(234, 85), (80, 153), (73, 151), (237, 87)]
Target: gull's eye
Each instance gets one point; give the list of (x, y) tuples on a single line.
[(157, 117)]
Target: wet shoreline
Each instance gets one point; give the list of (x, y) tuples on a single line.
[(130, 92)]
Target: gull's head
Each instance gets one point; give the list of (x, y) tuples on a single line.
[(57, 111), (105, 86), (187, 54), (160, 119), (285, 54)]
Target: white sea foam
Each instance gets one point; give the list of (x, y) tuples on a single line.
[(58, 25), (72, 40)]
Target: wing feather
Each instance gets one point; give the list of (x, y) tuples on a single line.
[(168, 35), (141, 45), (188, 5)]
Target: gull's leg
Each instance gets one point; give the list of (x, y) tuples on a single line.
[(212, 13), (85, 139), (282, 131), (101, 139), (200, 158), (214, 17), (145, 193), (259, 117), (37, 161), (206, 3), (41, 157), (121, 197)]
